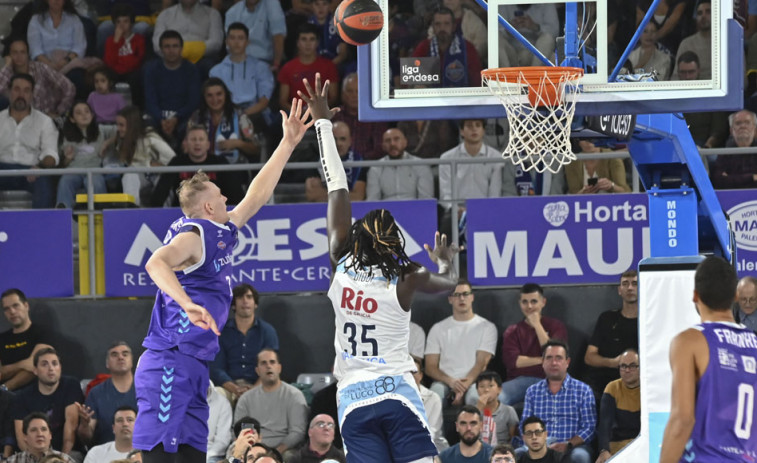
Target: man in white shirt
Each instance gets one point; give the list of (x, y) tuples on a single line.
[(219, 425), (28, 140), (123, 429), (459, 348)]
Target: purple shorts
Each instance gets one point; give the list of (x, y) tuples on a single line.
[(171, 392)]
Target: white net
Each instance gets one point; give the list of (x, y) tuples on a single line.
[(539, 123)]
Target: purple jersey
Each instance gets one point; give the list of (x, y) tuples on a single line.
[(208, 283), (725, 429)]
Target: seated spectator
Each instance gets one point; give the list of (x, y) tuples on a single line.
[(54, 395), (249, 80), (123, 429), (367, 136), (306, 65), (700, 42), (503, 453), (201, 29), (650, 56), (82, 146), (590, 176), (267, 25), (246, 434), (172, 88), (620, 409), (710, 128), (489, 387), (538, 23), (35, 429), (523, 342), (106, 398), (459, 348), (319, 446), (746, 296), (103, 101), (433, 406), (315, 187), (230, 131), (125, 50), (21, 342), (196, 155), (738, 170), (670, 16), (28, 140), (470, 448), (324, 401), (53, 93), (281, 407), (139, 146), (219, 425), (331, 45), (460, 65), (242, 339), (261, 453), (535, 436), (417, 181), (416, 345), (467, 23), (565, 404)]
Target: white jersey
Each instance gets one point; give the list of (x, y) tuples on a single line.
[(372, 329)]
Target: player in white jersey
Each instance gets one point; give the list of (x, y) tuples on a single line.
[(381, 414)]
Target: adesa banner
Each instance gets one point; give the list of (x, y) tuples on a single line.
[(284, 248)]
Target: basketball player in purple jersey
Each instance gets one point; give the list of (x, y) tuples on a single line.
[(381, 414), (193, 273), (714, 365)]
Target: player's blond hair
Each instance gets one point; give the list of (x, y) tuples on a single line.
[(189, 190)]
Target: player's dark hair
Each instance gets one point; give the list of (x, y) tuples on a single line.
[(72, 133), (630, 273), (490, 376), (170, 34), (503, 449), (555, 343), (529, 288), (44, 351), (34, 416), (237, 26), (534, 419), (17, 292), (468, 409), (124, 408), (241, 289), (376, 240), (715, 282), (122, 10), (22, 76), (688, 57), (246, 420)]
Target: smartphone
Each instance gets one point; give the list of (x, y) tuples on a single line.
[(248, 426), (592, 181)]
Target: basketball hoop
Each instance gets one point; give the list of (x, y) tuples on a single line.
[(539, 124)]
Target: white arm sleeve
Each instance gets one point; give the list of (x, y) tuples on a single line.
[(330, 160)]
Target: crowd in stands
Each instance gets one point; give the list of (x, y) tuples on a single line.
[(127, 83)]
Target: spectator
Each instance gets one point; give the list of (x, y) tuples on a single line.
[(650, 56), (281, 407), (610, 174), (401, 182), (36, 440), (565, 404), (470, 449), (417, 343), (503, 453), (319, 444), (700, 42), (246, 434), (125, 49), (459, 348), (535, 437), (106, 398), (620, 410), (249, 79), (242, 339), (230, 131), (739, 170), (28, 140), (324, 401), (306, 65), (331, 46), (467, 23), (54, 395), (139, 146), (201, 29), (53, 92), (172, 87), (523, 342), (219, 425), (367, 136), (615, 331), (489, 387), (196, 155), (460, 65), (538, 23), (265, 21), (433, 406), (19, 344), (709, 129), (82, 146), (123, 429), (668, 15), (746, 296), (315, 188), (104, 102)]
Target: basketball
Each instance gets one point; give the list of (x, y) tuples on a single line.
[(358, 21)]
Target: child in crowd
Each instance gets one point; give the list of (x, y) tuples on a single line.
[(125, 50), (82, 142), (104, 101)]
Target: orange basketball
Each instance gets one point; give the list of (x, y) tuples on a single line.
[(358, 21)]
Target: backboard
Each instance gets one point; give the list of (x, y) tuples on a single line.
[(381, 100)]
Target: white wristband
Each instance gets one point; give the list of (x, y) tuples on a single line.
[(333, 169)]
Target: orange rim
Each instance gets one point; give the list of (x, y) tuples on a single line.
[(532, 74)]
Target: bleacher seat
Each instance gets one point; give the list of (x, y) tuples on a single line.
[(318, 380)]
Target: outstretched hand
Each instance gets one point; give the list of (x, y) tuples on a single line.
[(296, 123), (317, 98), (441, 251), (199, 316)]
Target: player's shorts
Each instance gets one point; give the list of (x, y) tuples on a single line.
[(172, 393), (382, 420)]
